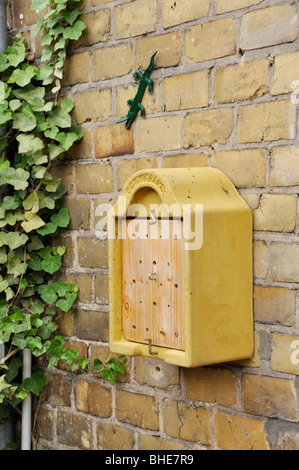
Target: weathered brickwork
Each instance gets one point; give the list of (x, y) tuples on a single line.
[(225, 96)]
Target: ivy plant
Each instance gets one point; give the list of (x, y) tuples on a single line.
[(36, 130)]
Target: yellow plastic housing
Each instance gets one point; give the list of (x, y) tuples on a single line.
[(217, 288)]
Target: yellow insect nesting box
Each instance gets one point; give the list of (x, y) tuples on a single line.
[(180, 268)]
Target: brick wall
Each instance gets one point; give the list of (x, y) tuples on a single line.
[(223, 97)]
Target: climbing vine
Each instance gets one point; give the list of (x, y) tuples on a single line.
[(36, 130)]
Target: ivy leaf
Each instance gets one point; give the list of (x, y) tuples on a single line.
[(24, 123), (48, 294), (52, 264), (3, 284), (46, 54), (60, 117), (16, 53), (66, 139), (29, 143), (71, 15), (39, 5), (35, 262), (22, 77), (49, 228), (65, 304), (15, 239), (17, 178), (32, 95), (11, 202), (32, 203), (74, 31), (36, 383), (34, 222), (97, 364), (3, 255), (62, 219)]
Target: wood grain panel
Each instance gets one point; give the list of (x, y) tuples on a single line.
[(153, 310)]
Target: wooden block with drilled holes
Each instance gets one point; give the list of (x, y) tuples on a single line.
[(153, 283)]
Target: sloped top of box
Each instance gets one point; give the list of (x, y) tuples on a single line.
[(203, 185)]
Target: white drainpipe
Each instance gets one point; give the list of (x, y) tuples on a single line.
[(27, 356), (26, 406)]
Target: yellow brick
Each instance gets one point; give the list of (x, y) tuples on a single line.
[(186, 422), (137, 409), (269, 26), (252, 200), (150, 101), (239, 433), (93, 399), (285, 73), (274, 305), (284, 166), (168, 47), (244, 81), (113, 140), (272, 397), (210, 385), (100, 2), (174, 13), (185, 161), (223, 6), (210, 40), (92, 253), (112, 437), (23, 15), (246, 168), (155, 373), (81, 149), (76, 69), (157, 443), (285, 353), (126, 168), (289, 441), (112, 62), (260, 259), (135, 18), (79, 210), (157, 134), (91, 325), (284, 262), (190, 90), (97, 28), (92, 106), (266, 122), (208, 127), (94, 178), (276, 213)]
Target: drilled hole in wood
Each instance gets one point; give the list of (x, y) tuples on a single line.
[(134, 280), (158, 369), (176, 286), (154, 262), (134, 327), (168, 264), (140, 301), (154, 304), (161, 284), (146, 329), (168, 305), (140, 261)]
